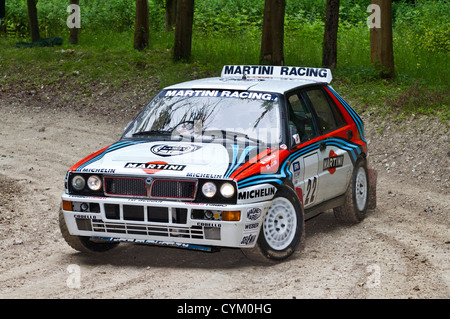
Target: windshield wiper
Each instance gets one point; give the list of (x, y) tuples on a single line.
[(153, 132), (231, 135)]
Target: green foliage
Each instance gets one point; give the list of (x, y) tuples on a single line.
[(425, 25), (229, 32)]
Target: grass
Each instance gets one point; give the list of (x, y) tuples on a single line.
[(109, 57)]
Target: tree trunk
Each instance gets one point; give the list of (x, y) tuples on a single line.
[(329, 49), (142, 25), (381, 43), (73, 37), (272, 41), (183, 30), (2, 9), (33, 19), (171, 15)]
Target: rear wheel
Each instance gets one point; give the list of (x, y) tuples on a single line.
[(81, 243), (282, 230), (356, 196)]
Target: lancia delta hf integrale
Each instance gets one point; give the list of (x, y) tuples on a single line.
[(237, 161)]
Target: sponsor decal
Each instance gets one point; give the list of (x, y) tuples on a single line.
[(332, 162), (154, 242), (251, 226), (203, 175), (296, 167), (83, 216), (223, 94), (216, 225), (154, 167), (99, 170), (257, 193), (248, 240), (259, 71), (253, 213), (173, 150)]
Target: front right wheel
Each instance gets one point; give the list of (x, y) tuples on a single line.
[(80, 243), (282, 231)]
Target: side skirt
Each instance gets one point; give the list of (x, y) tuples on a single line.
[(329, 204)]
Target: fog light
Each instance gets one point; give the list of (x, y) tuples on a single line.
[(213, 214), (231, 216)]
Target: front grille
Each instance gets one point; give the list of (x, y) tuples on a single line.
[(123, 186), (147, 187), (173, 189)]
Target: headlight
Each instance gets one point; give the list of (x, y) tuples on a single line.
[(78, 183), (227, 190), (209, 189), (94, 183)]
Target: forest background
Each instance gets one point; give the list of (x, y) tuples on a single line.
[(229, 32)]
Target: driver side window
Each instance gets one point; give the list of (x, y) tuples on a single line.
[(300, 118)]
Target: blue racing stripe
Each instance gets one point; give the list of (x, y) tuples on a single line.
[(353, 149), (353, 114)]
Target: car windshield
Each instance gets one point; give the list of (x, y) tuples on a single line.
[(210, 116)]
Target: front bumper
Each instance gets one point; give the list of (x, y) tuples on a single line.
[(163, 222)]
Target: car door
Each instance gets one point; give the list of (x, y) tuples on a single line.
[(335, 163), (305, 156)]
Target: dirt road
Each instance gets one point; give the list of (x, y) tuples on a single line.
[(401, 250)]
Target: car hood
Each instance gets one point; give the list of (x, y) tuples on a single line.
[(168, 159)]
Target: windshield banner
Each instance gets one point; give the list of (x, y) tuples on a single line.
[(224, 94)]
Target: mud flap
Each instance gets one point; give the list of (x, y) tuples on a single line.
[(372, 204)]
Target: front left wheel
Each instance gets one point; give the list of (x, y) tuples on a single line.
[(282, 231)]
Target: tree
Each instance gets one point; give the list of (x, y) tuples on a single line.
[(381, 43), (171, 15), (272, 41), (73, 37), (183, 30), (2, 9), (329, 49), (141, 25), (33, 19)]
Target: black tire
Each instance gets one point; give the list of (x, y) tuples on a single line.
[(80, 243), (356, 196), (282, 231)]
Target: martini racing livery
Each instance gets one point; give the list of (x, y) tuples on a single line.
[(240, 161)]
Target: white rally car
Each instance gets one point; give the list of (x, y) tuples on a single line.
[(237, 161)]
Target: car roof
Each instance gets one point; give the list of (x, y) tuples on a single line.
[(238, 79), (272, 86)]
